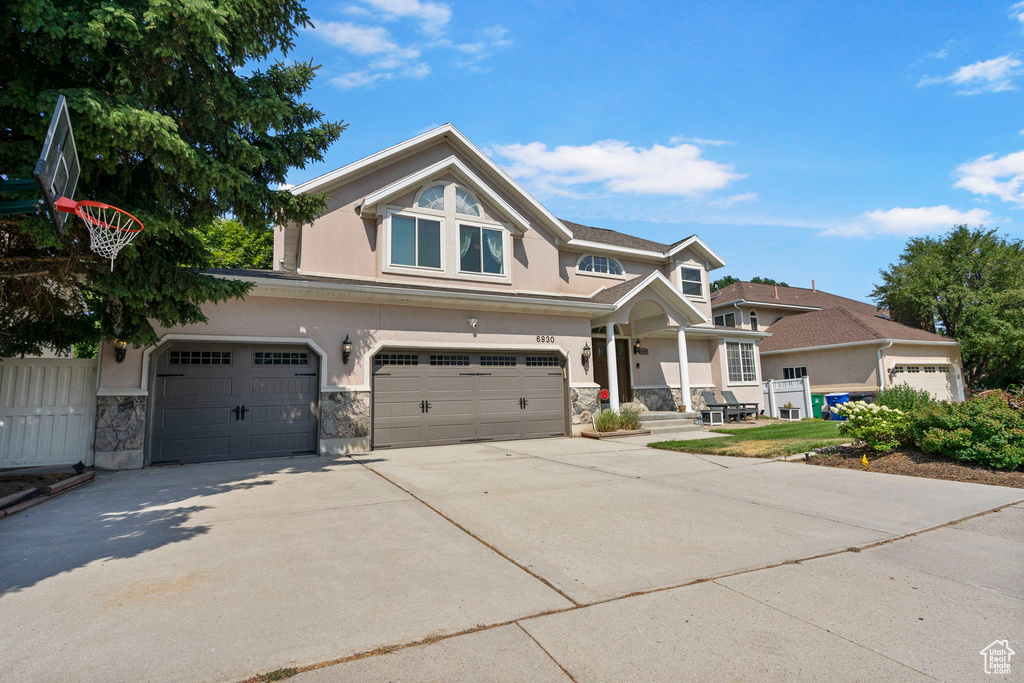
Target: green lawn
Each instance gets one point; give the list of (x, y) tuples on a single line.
[(779, 438)]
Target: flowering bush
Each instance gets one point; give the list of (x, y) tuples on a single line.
[(880, 428), (987, 431)]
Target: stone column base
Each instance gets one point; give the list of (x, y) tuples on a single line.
[(120, 460)]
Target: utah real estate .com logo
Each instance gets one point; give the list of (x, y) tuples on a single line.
[(997, 657)]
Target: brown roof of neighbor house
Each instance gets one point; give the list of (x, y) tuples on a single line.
[(792, 296), (612, 294), (839, 326), (616, 238)]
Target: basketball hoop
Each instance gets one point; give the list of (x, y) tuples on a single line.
[(110, 228)]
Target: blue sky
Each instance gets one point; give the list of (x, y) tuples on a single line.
[(801, 140)]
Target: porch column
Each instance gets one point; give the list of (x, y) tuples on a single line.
[(613, 370), (684, 368)]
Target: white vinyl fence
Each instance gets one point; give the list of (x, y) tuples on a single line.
[(47, 411), (779, 392)]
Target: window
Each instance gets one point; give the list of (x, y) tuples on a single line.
[(200, 358), (396, 359), (449, 360), (481, 250), (931, 369), (726, 320), (498, 360), (432, 198), (542, 362), (280, 358), (599, 264), (415, 242), (465, 204), (693, 282), (603, 329), (753, 321), (913, 369), (795, 372), (739, 358)]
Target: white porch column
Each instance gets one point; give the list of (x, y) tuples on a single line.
[(684, 369), (613, 369)]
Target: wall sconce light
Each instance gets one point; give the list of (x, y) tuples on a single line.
[(586, 354), (120, 350), (472, 322), (636, 348), (346, 350)]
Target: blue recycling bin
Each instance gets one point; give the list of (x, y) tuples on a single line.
[(834, 401)]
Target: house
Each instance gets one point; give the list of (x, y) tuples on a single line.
[(434, 302), (839, 343)]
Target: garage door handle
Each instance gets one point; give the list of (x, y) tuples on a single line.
[(235, 411), (424, 406), (244, 411)]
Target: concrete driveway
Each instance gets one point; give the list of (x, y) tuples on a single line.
[(543, 560)]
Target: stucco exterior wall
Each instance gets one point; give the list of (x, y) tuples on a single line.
[(851, 368), (327, 322)]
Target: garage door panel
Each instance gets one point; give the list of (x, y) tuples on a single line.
[(195, 386), (472, 397), (935, 379), (194, 416)]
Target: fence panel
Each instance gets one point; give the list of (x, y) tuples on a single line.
[(47, 411), (779, 392)]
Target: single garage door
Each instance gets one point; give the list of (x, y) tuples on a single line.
[(935, 379), (428, 398), (231, 402)]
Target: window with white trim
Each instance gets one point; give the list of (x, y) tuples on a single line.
[(415, 242), (599, 264), (465, 203), (693, 281), (481, 250), (432, 198), (726, 320), (752, 317), (795, 372), (739, 357)]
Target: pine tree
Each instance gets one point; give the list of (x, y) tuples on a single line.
[(183, 113)]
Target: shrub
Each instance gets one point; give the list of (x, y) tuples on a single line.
[(606, 421), (904, 397), (985, 431), (880, 428), (629, 417)]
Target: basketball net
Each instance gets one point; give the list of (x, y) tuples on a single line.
[(110, 228)]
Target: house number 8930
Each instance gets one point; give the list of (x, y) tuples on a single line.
[(546, 338)]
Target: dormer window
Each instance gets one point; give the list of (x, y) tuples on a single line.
[(599, 264), (432, 198), (693, 281), (465, 203)]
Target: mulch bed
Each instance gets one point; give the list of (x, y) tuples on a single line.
[(917, 464), (9, 487)]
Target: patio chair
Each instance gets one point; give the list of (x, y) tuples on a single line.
[(748, 408), (729, 412)]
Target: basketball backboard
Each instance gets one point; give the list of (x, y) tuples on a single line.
[(57, 170)]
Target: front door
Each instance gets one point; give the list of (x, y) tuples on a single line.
[(622, 361)]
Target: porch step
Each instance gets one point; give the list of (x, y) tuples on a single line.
[(665, 426), (667, 415)]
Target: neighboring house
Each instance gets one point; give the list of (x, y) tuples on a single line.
[(839, 343), (435, 302)]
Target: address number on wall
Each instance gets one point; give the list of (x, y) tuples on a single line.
[(545, 338)]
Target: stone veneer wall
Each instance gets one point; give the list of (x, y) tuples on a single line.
[(664, 398), (583, 401), (120, 432), (344, 414)]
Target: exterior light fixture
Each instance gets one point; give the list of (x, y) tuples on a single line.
[(473, 322), (586, 353), (120, 350), (636, 348), (346, 350)]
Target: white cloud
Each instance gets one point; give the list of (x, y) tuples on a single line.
[(726, 202), (359, 79), (1001, 177), (910, 222), (1017, 12), (678, 139), (432, 17), (362, 40), (993, 75), (618, 167)]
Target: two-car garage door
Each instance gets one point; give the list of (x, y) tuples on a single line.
[(428, 398)]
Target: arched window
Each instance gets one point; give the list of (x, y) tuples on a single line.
[(753, 321), (465, 204), (599, 264), (432, 198), (603, 329)]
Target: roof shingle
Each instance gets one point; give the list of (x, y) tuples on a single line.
[(615, 238), (792, 296), (839, 326)]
